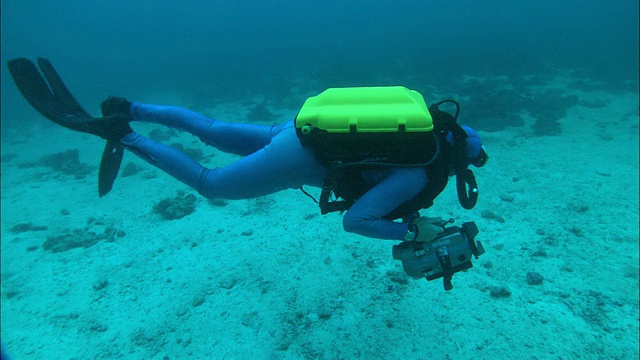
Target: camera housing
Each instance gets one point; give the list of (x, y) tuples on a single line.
[(446, 255)]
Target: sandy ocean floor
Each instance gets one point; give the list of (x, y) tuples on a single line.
[(271, 278)]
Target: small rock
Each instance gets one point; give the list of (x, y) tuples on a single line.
[(66, 162), (534, 278), (100, 284), (194, 153), (374, 263), (398, 277), (540, 253), (71, 239), (149, 175), (566, 268), (578, 207), (198, 300), (313, 317), (228, 283), (20, 228), (506, 197), (250, 319), (24, 227), (177, 207), (576, 231), (499, 292), (356, 253), (130, 169), (389, 323), (218, 202), (487, 214), (159, 135), (325, 312), (110, 233), (98, 328), (9, 294)]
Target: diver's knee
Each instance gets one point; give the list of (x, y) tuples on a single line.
[(350, 223), (205, 187)]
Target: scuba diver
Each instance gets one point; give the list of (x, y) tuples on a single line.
[(387, 175)]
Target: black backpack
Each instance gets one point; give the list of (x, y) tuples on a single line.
[(346, 154)]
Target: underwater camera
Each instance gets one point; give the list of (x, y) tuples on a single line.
[(447, 254)]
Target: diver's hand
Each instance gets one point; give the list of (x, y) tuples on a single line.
[(428, 228)]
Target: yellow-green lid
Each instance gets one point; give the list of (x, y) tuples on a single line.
[(368, 109)]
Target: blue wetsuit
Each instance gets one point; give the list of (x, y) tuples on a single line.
[(273, 160)]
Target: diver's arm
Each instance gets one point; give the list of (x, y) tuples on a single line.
[(365, 217)]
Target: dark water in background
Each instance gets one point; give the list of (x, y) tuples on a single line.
[(212, 50)]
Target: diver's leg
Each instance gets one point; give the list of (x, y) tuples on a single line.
[(239, 139), (282, 164)]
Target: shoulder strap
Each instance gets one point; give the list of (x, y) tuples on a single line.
[(443, 124)]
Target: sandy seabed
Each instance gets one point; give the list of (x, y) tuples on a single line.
[(271, 278)]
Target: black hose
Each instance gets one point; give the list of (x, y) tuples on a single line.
[(467, 197), (391, 165), (455, 117)]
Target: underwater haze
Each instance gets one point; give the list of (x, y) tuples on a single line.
[(234, 49), (153, 270)]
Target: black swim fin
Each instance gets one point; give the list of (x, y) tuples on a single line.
[(50, 97), (109, 166), (60, 90), (58, 107)]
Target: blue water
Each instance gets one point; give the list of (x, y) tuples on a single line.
[(552, 86), (228, 48)]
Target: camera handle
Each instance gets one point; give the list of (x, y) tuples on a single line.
[(445, 262)]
